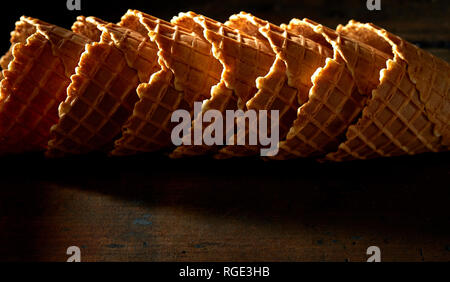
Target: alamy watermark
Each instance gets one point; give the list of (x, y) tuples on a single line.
[(375, 254), (75, 254), (257, 131), (73, 5), (373, 5)]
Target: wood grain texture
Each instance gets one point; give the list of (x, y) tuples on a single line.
[(150, 208)]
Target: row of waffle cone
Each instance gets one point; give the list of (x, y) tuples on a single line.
[(356, 92)]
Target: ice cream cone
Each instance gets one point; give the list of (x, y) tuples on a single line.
[(36, 75), (187, 54), (431, 76), (402, 116), (149, 128), (244, 57), (287, 85), (185, 51), (335, 100), (102, 94)]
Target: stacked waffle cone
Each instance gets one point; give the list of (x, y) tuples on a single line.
[(357, 92)]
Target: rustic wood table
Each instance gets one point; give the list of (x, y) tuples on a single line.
[(151, 208)]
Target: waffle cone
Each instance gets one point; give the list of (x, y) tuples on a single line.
[(287, 84), (247, 24), (178, 85), (244, 57), (185, 51), (149, 127), (431, 76), (102, 93), (335, 99), (401, 117), (36, 75)]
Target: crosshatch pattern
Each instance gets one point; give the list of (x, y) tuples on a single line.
[(222, 99), (149, 127), (432, 79), (245, 58), (139, 54), (299, 59), (393, 123), (101, 97), (274, 93), (162, 90), (335, 101), (34, 85), (188, 56), (264, 68), (402, 118), (302, 56), (364, 61), (247, 55), (333, 104)]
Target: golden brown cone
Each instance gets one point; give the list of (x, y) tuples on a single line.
[(149, 127), (102, 94), (187, 54), (395, 120), (149, 131), (35, 82), (274, 70), (431, 75), (363, 61), (286, 87), (244, 58), (334, 99)]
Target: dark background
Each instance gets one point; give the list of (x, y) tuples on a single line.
[(151, 208)]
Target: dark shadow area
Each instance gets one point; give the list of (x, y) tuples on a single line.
[(400, 194)]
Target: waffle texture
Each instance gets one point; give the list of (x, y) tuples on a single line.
[(396, 120), (244, 57), (102, 94), (357, 92), (37, 72), (287, 85), (338, 95)]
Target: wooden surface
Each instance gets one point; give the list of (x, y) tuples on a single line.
[(154, 209), (150, 208)]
